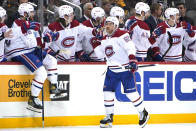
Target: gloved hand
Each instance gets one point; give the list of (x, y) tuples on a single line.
[(132, 66), (130, 23), (31, 25), (158, 31), (156, 54), (95, 42), (99, 32), (82, 56), (51, 36), (188, 28)]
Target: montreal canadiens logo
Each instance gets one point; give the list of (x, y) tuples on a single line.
[(109, 51), (176, 39), (68, 42)]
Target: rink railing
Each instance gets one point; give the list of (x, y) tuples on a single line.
[(168, 90)]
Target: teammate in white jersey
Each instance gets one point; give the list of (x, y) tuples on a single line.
[(119, 51), (3, 33), (22, 48), (190, 49), (139, 30), (65, 42), (96, 22), (168, 37), (118, 12)]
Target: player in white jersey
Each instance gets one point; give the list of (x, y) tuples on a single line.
[(190, 49), (22, 48), (3, 33), (96, 22), (119, 51), (139, 30), (118, 12), (65, 42), (168, 37)]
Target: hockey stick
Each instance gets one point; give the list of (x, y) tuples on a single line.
[(170, 42), (42, 94)]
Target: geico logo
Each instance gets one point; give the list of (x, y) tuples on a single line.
[(167, 85), (12, 83)]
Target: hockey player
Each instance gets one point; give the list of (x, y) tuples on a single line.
[(66, 43), (96, 22), (22, 48), (3, 33), (119, 51), (166, 47), (139, 30), (118, 12)]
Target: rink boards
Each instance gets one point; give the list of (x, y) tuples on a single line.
[(168, 90)]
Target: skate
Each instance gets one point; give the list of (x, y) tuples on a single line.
[(145, 117), (57, 94), (107, 121), (34, 104)]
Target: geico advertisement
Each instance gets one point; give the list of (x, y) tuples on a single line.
[(17, 87), (163, 86)]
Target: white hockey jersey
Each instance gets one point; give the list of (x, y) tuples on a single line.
[(116, 49), (178, 34), (21, 42), (87, 42), (190, 51), (3, 29), (68, 42), (139, 33)]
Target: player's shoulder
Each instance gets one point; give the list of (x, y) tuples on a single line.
[(119, 33), (55, 26), (163, 24), (19, 22), (87, 23), (74, 23), (142, 25), (2, 25)]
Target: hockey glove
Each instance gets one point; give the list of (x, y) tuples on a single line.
[(158, 31), (51, 36), (95, 42), (82, 56), (130, 23), (132, 66), (188, 28), (99, 32), (156, 54), (31, 25)]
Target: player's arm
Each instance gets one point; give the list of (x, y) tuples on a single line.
[(129, 47)]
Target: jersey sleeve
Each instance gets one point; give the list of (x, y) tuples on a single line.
[(126, 43)]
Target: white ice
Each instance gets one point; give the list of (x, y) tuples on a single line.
[(149, 127)]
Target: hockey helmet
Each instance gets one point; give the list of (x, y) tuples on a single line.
[(171, 12), (141, 6), (2, 12), (25, 7), (117, 12), (113, 20), (97, 12), (65, 10)]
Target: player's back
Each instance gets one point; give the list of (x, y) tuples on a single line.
[(139, 33), (21, 42)]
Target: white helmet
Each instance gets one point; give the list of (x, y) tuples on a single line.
[(65, 10), (171, 12), (25, 7), (112, 19), (141, 6), (117, 11), (2, 12), (97, 12)]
